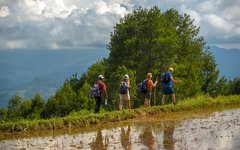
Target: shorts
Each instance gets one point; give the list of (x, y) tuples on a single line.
[(167, 91), (125, 96), (148, 94)]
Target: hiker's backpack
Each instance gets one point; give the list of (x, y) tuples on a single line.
[(94, 91), (123, 88), (142, 88), (165, 78)]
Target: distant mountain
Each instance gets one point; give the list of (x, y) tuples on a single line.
[(228, 61), (25, 72)]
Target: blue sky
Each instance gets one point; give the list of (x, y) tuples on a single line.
[(76, 24)]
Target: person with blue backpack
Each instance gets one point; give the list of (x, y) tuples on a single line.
[(167, 81), (124, 92)]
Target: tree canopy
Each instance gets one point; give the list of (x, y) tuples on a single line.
[(152, 41)]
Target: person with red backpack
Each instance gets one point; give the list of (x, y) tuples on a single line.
[(150, 85), (101, 88)]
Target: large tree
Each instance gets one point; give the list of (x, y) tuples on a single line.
[(142, 41), (152, 41)]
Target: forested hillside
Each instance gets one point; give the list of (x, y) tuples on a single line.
[(25, 72), (147, 40)]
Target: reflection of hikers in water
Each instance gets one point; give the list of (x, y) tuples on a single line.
[(125, 138), (147, 137), (98, 143), (168, 140)]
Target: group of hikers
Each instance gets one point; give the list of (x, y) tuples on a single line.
[(146, 87)]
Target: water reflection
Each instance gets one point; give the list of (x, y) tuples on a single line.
[(147, 137), (219, 130), (168, 138), (98, 143), (125, 138)]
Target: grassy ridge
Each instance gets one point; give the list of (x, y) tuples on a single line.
[(83, 120)]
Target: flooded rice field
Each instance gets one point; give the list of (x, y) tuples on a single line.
[(202, 130)]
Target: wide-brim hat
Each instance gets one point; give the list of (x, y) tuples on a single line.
[(126, 76), (100, 77), (149, 75)]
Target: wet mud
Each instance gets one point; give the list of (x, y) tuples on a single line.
[(202, 130)]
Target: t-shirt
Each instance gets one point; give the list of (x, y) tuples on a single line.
[(101, 86), (169, 84), (150, 85)]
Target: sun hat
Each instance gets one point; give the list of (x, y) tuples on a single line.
[(100, 76), (149, 75), (126, 76)]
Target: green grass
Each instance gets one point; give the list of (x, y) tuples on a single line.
[(84, 119)]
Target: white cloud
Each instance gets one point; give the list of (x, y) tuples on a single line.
[(4, 11), (76, 23), (34, 6), (219, 23), (100, 7), (193, 14), (219, 20), (117, 9), (208, 6), (58, 9)]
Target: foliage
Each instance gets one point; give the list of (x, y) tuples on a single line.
[(96, 69), (62, 103), (14, 108), (234, 86), (73, 95), (37, 104), (26, 108), (210, 74), (3, 114), (86, 118), (151, 41), (84, 101)]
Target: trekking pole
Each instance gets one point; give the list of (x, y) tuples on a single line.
[(154, 94), (136, 98)]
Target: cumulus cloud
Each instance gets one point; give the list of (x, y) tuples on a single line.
[(102, 8), (4, 11), (59, 24), (219, 23), (218, 20), (34, 7)]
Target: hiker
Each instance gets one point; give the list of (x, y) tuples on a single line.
[(124, 93), (167, 86), (150, 86), (102, 88)]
